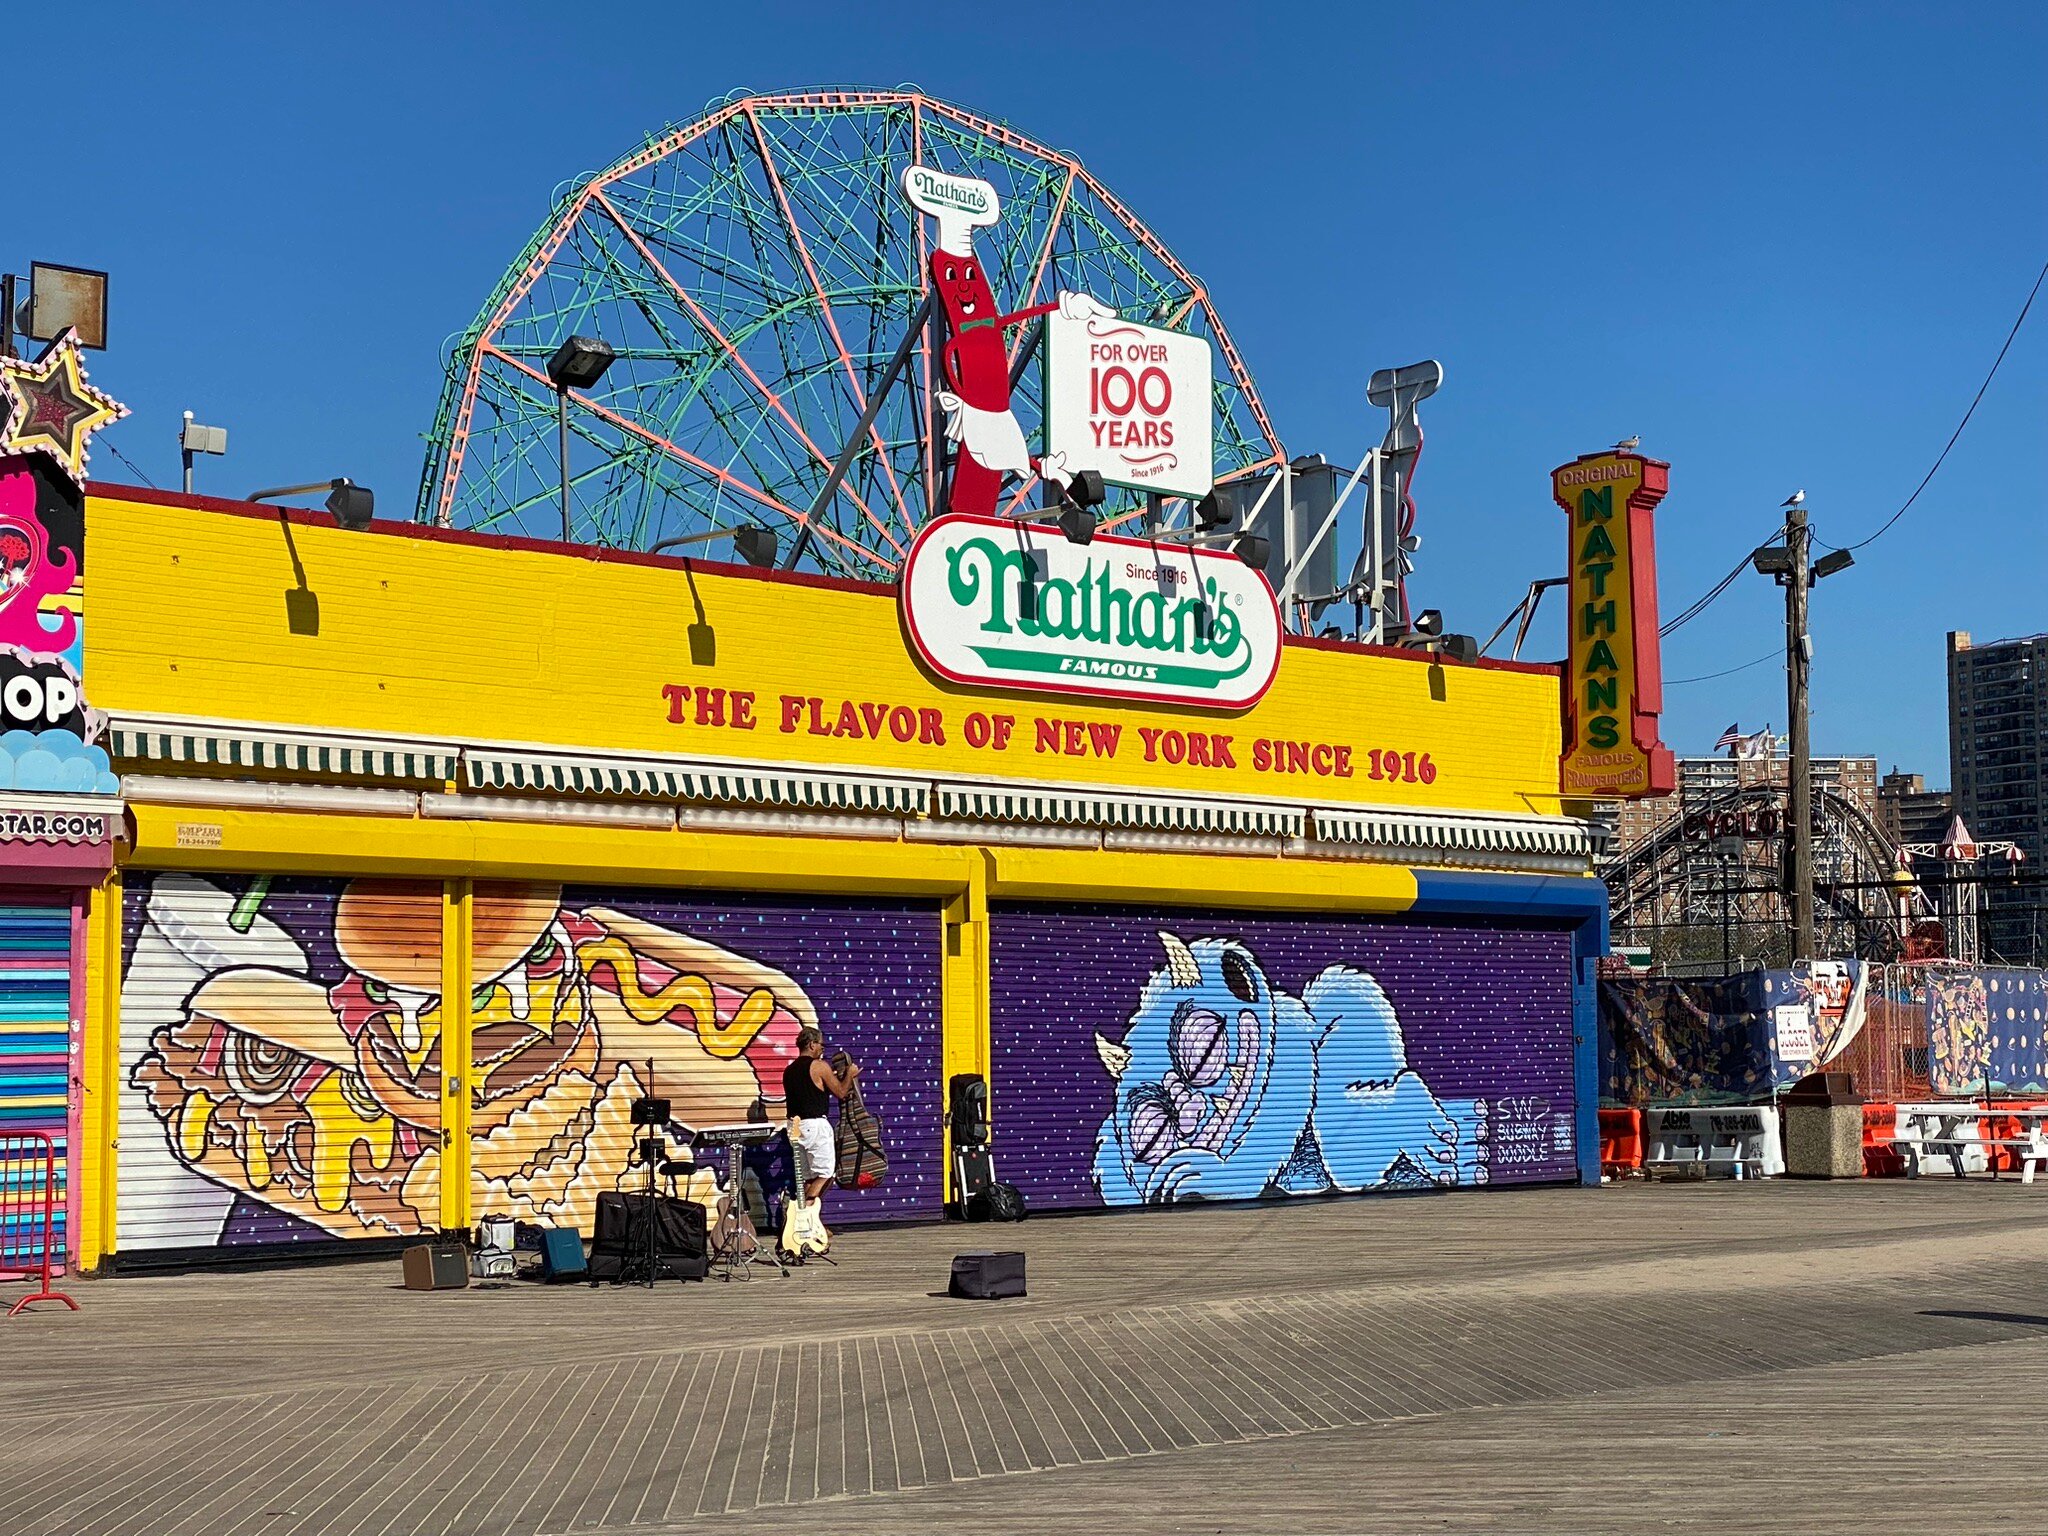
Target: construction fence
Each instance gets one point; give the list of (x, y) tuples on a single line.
[(1906, 1032)]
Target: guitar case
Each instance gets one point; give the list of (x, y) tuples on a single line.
[(858, 1159)]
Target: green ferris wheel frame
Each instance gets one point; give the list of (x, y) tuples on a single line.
[(755, 272)]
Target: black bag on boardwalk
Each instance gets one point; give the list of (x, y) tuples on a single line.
[(987, 1276), (857, 1156), (1002, 1202)]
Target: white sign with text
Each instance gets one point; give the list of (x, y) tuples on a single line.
[(1133, 402)]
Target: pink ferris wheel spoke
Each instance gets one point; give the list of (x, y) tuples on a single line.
[(768, 396), (860, 396), (683, 455), (1052, 229)]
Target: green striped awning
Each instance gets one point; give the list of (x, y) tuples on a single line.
[(1554, 836), (1085, 808), (688, 780), (281, 750)]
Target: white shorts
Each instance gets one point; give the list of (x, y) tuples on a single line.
[(816, 1138)]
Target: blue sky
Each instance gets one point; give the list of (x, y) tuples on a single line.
[(1780, 242)]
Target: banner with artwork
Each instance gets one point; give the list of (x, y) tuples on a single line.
[(1985, 1030)]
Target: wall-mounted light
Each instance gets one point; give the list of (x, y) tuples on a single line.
[(756, 545), (352, 505)]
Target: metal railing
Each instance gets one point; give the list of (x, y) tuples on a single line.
[(29, 1245)]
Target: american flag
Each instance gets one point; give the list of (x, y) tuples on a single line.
[(1729, 738)]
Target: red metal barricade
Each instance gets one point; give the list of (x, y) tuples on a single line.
[(28, 1215)]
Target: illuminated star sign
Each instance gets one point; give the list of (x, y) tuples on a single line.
[(46, 406)]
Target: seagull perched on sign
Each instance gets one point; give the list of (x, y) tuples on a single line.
[(1796, 499), (1627, 445)]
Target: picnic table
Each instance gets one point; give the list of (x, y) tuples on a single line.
[(1960, 1133)]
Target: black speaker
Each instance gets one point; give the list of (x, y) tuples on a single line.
[(967, 1109), (987, 1276)]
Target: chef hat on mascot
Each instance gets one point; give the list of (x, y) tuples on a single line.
[(961, 204)]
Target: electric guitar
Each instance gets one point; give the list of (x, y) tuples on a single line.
[(803, 1221), (733, 1234)]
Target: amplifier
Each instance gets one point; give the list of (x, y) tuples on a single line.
[(436, 1267), (561, 1254)]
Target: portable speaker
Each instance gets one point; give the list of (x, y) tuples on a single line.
[(967, 1109), (987, 1276), (435, 1267), (561, 1254)]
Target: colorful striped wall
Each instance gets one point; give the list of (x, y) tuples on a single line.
[(35, 1029)]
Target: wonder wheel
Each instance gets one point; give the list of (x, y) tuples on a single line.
[(756, 272)]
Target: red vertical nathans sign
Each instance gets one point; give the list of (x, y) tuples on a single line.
[(1614, 684)]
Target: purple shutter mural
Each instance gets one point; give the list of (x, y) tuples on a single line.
[(281, 1047), (1148, 1057), (870, 972)]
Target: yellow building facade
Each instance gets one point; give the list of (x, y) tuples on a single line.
[(441, 848)]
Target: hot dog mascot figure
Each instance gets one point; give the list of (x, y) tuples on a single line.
[(975, 364)]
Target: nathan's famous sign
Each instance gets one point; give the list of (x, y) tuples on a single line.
[(1009, 604), (1616, 684)]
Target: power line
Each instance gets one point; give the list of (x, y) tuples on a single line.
[(117, 453), (1713, 592), (1929, 476), (1771, 655)]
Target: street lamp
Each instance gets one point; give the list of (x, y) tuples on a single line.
[(578, 363), (752, 543), (352, 505)]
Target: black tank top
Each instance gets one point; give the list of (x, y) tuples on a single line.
[(806, 1100)]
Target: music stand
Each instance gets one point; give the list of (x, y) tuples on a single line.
[(642, 1263)]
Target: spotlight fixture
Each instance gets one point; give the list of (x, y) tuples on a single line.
[(1253, 550), (1077, 523), (1210, 513), (1831, 562), (1085, 489), (1428, 622)]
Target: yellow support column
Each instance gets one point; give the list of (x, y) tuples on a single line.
[(964, 1027), (457, 1070), (93, 1160)]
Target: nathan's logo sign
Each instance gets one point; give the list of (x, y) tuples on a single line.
[(1616, 687), (1008, 604), (942, 195)]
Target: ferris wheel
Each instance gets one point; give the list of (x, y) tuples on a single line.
[(762, 286)]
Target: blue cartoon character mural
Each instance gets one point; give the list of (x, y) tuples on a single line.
[(1227, 1088)]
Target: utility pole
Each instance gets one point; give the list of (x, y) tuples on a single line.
[(1798, 673), (1792, 565)]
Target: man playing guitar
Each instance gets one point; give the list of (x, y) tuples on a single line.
[(808, 1088)]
